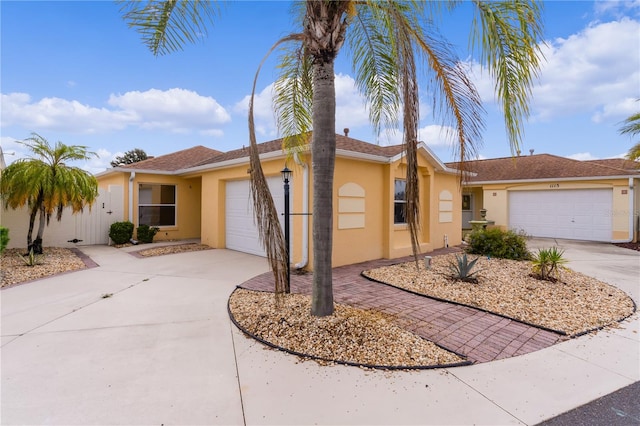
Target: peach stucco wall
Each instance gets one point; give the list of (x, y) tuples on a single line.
[(495, 200), (363, 216), (188, 205)]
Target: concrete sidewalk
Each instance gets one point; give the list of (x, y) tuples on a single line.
[(149, 341)]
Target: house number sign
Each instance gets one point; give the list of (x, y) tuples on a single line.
[(554, 185)]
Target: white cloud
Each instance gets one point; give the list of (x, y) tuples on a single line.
[(616, 7), (435, 135), (583, 156), (101, 162), (595, 71), (350, 106), (60, 114), (177, 110), (263, 114)]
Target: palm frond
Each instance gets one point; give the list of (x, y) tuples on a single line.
[(374, 63), (293, 94), (634, 152), (631, 125), (167, 25), (508, 34), (270, 232)]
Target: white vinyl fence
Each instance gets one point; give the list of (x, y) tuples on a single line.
[(86, 228)]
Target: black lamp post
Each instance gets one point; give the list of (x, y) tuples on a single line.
[(286, 175)]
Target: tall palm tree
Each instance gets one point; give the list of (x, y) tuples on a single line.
[(631, 127), (387, 41), (46, 184)]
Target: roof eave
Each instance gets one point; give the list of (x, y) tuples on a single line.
[(540, 180)]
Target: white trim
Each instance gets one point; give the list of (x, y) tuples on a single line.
[(230, 163), (526, 181)]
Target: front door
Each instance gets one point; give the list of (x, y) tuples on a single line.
[(467, 210)]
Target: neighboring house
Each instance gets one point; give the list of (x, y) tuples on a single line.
[(550, 196), (202, 193)]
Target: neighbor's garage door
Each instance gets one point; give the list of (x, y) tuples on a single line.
[(241, 231), (571, 214)]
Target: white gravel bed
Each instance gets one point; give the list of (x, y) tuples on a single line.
[(56, 260), (575, 304), (171, 249), (350, 335)]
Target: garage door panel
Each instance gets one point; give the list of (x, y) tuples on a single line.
[(571, 214), (241, 232)]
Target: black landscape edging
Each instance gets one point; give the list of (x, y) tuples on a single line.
[(351, 364), (602, 327)]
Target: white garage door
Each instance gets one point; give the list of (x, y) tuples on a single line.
[(241, 231), (571, 214)]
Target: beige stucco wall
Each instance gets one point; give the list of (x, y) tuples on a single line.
[(495, 200), (363, 212), (188, 205), (214, 196), (439, 217), (360, 243)]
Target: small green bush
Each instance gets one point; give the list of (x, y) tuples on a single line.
[(547, 263), (495, 242), (146, 233), (121, 232), (4, 238)]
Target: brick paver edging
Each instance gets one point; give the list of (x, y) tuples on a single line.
[(453, 302), (477, 335)]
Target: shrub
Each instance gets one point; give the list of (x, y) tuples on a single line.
[(4, 238), (547, 263), (495, 242), (145, 233), (121, 232), (461, 269)]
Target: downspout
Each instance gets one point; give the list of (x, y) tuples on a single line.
[(132, 176), (631, 214), (305, 210)]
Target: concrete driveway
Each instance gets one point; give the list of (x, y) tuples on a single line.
[(149, 341)]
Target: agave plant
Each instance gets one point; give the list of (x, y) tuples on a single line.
[(32, 258), (461, 269), (547, 263)]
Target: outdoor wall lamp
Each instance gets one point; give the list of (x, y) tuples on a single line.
[(286, 176)]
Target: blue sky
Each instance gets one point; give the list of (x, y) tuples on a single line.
[(74, 72)]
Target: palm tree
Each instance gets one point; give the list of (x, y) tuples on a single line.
[(45, 183), (631, 127), (387, 40)]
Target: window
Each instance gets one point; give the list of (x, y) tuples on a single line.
[(399, 201), (156, 205), (466, 202)]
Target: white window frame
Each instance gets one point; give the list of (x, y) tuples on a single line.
[(397, 202), (174, 204)]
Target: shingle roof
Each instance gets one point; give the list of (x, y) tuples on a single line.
[(342, 142), (619, 163), (175, 160), (539, 166)]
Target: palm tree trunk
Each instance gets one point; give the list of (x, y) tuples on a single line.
[(323, 154), (37, 244), (32, 221)]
